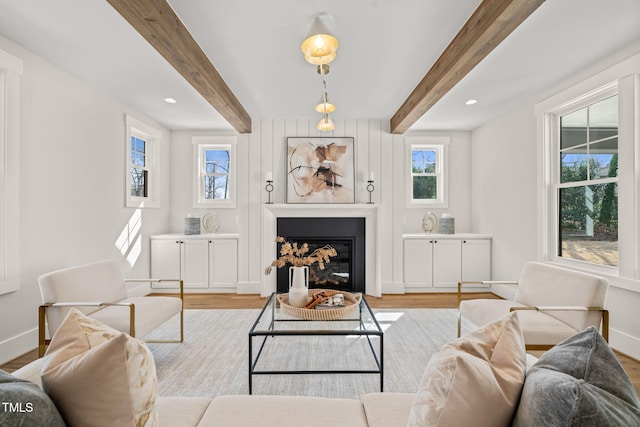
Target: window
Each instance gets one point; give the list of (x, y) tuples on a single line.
[(214, 166), (142, 164), (585, 180), (139, 168), (426, 179), (10, 76)]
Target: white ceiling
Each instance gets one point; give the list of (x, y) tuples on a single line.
[(386, 47)]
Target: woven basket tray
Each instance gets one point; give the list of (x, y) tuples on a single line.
[(351, 304)]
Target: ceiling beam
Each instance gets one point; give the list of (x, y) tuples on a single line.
[(156, 21), (489, 25)]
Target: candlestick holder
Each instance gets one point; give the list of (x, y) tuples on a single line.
[(269, 188), (370, 189)]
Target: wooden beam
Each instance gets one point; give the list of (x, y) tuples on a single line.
[(161, 27), (489, 25)]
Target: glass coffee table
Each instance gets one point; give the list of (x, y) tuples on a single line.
[(282, 344)]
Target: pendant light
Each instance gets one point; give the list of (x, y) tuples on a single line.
[(326, 124), (319, 47), (324, 106)]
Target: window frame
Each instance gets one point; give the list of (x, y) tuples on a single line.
[(11, 71), (200, 145), (554, 182), (441, 146), (152, 137)]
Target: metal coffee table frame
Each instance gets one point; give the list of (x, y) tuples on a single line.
[(272, 332)]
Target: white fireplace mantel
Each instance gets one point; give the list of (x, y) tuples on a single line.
[(272, 212)]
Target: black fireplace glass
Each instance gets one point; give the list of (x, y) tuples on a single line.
[(346, 271)]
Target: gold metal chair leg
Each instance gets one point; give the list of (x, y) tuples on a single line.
[(42, 341)]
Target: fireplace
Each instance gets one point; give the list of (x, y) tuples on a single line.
[(346, 271)]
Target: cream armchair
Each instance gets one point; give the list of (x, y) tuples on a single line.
[(553, 304), (99, 290)]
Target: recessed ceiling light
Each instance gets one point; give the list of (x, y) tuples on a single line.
[(170, 100), (471, 101)]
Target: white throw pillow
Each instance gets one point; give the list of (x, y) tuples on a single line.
[(98, 376), (475, 380)]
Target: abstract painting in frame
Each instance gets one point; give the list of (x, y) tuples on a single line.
[(320, 170)]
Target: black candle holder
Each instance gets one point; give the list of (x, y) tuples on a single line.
[(269, 188), (370, 189)]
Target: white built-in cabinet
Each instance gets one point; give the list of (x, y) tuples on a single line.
[(443, 260), (202, 261)]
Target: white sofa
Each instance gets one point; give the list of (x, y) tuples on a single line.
[(375, 409)]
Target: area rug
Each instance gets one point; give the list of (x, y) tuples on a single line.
[(213, 360)]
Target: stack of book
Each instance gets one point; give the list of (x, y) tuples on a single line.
[(335, 301)]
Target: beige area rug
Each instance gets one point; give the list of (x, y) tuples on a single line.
[(213, 360)]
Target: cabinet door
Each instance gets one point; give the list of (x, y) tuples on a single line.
[(223, 263), (447, 262), (476, 260), (165, 261), (418, 272), (195, 263)]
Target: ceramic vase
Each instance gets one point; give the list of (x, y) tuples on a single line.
[(298, 286)]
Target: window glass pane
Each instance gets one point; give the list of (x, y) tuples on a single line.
[(216, 188), (603, 119), (423, 161), (425, 188), (573, 165), (573, 129), (139, 182), (217, 161), (137, 159), (138, 151), (589, 224), (604, 159)]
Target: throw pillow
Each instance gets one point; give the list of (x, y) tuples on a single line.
[(23, 403), (112, 382), (474, 380), (578, 382)]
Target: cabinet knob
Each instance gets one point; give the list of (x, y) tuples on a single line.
[(464, 241)]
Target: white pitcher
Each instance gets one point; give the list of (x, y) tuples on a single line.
[(298, 286)]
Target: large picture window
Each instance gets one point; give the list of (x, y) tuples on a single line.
[(587, 183), (427, 167), (214, 171)]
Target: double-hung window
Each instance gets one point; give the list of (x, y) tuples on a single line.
[(11, 69), (214, 171), (142, 172), (586, 181), (427, 171)]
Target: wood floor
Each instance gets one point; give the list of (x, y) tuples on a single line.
[(431, 300)]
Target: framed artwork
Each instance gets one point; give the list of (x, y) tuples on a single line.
[(320, 170)]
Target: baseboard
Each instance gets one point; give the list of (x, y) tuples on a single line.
[(624, 343), (393, 288), (248, 287), (17, 346)]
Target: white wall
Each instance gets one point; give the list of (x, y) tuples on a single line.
[(504, 189), (71, 189), (376, 150)]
